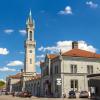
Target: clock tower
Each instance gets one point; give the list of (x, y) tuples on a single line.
[(29, 64)]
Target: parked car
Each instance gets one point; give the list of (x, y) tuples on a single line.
[(18, 94), (72, 94), (84, 94), (25, 94)]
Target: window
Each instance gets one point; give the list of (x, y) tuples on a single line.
[(74, 84), (30, 35), (46, 71), (73, 68), (30, 51), (89, 69), (56, 69), (30, 61)]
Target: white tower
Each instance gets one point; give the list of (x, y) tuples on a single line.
[(29, 66)]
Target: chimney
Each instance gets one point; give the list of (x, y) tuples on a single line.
[(21, 70), (74, 45)]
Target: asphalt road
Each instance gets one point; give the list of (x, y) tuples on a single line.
[(9, 97)]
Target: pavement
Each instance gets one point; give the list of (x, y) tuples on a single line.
[(9, 97)]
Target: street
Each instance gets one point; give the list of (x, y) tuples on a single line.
[(9, 97)]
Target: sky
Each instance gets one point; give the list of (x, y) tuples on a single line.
[(57, 24)]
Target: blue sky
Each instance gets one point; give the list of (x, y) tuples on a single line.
[(58, 23)]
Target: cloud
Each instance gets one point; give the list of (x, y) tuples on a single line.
[(37, 63), (6, 69), (8, 31), (41, 56), (21, 52), (65, 46), (4, 51), (41, 48), (15, 63), (22, 32), (91, 4), (66, 11)]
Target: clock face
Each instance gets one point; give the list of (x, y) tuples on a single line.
[(30, 51)]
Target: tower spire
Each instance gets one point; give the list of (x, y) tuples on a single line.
[(30, 14), (30, 21)]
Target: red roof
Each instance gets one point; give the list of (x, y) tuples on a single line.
[(51, 56), (17, 76), (81, 53)]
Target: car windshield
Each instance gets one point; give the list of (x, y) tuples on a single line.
[(71, 92), (83, 91)]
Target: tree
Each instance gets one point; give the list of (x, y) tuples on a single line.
[(2, 84)]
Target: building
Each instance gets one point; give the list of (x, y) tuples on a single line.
[(11, 81), (71, 67), (60, 73)]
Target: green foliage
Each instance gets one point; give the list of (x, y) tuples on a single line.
[(2, 83)]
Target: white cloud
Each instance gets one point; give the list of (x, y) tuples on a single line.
[(67, 45), (22, 32), (15, 63), (37, 63), (83, 45), (41, 56), (6, 69), (41, 48), (66, 11), (4, 51), (91, 4), (21, 52), (8, 31)]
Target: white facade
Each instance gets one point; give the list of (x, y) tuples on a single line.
[(80, 75)]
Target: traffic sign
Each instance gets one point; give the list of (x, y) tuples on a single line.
[(59, 82)]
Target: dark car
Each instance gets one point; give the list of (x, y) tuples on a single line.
[(72, 94), (25, 94), (84, 94)]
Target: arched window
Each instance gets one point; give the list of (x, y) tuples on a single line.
[(31, 35)]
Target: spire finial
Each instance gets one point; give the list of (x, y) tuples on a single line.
[(30, 14)]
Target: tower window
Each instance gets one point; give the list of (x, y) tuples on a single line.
[(30, 61), (30, 35)]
